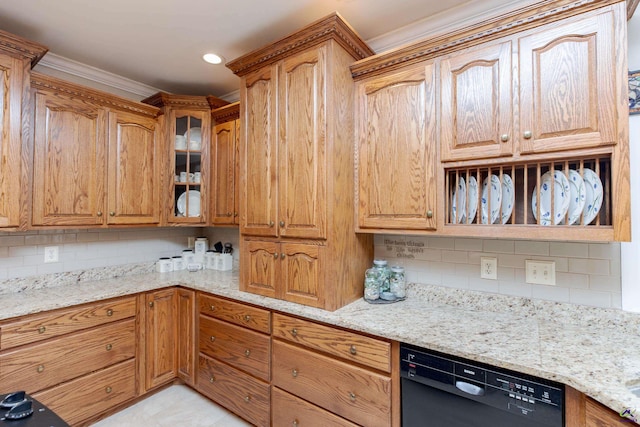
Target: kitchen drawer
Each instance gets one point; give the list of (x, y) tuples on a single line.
[(347, 345), (288, 410), (51, 324), (88, 396), (242, 394), (43, 365), (234, 312), (352, 392), (239, 347)]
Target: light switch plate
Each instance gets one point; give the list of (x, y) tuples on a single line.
[(488, 268), (540, 272), (50, 254)]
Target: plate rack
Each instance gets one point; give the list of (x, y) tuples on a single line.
[(530, 186)]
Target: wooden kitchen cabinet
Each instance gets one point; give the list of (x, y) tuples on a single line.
[(187, 360), (225, 141), (397, 150), (17, 56), (583, 411), (296, 164), (95, 160), (160, 337)]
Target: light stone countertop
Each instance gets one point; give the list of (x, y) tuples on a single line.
[(593, 350)]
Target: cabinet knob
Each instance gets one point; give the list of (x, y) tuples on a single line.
[(353, 350), (247, 352), (108, 389), (40, 369), (247, 317), (247, 399), (212, 338), (275, 255), (235, 214), (504, 137), (282, 255), (109, 347), (212, 379), (112, 213), (271, 223), (151, 304), (295, 423), (352, 396), (212, 307), (99, 213), (110, 312), (294, 373), (41, 329), (294, 332), (281, 223), (228, 213), (429, 213), (527, 134)]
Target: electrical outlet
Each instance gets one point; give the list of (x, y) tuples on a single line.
[(50, 254), (489, 268), (540, 272), (191, 242)]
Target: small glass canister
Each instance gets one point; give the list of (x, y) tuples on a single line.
[(398, 282), (371, 284), (384, 274)]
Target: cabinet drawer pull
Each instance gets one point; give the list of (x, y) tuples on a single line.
[(151, 304), (271, 223), (247, 352), (108, 389), (40, 369), (212, 307), (109, 347), (275, 255), (294, 373), (247, 318), (41, 329), (235, 214), (527, 134), (352, 396), (109, 312), (228, 213), (504, 137), (212, 379), (247, 399), (295, 423), (281, 223), (353, 350), (282, 255), (212, 338), (294, 332), (112, 213), (429, 213), (99, 213)]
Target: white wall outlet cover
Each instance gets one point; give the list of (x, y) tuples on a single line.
[(489, 268), (50, 254)]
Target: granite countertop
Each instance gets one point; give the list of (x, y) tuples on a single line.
[(592, 350)]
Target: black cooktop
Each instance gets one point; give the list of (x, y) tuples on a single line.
[(23, 405)]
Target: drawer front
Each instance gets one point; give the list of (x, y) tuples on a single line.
[(47, 364), (40, 327), (241, 348), (237, 313), (242, 394), (288, 410), (88, 396), (347, 345), (352, 392)]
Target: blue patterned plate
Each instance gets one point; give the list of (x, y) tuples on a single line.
[(495, 201), (561, 196), (593, 199)]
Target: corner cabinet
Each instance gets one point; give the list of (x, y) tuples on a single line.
[(160, 337), (296, 167), (531, 137), (96, 158), (225, 140), (17, 56)]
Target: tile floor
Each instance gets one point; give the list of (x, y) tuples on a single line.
[(174, 406)]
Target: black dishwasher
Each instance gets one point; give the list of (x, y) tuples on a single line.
[(439, 390)]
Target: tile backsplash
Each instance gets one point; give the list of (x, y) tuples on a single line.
[(586, 273)]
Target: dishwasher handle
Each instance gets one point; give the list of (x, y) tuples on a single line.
[(469, 388)]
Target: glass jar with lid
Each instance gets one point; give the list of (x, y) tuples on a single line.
[(384, 272), (398, 282)]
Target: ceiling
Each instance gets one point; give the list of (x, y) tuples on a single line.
[(161, 42)]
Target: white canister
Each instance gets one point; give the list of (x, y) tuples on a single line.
[(164, 265), (177, 263), (188, 257), (210, 259), (226, 262), (201, 245)]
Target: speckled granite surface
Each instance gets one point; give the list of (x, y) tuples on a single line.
[(592, 350)]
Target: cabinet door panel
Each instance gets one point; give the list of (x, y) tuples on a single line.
[(69, 158), (186, 365), (259, 261), (567, 85), (302, 148), (477, 103), (397, 151), (223, 173), (301, 270), (258, 153), (161, 336), (133, 170)]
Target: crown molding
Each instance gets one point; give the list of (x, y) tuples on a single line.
[(78, 69)]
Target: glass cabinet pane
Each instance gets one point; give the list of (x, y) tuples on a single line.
[(188, 163)]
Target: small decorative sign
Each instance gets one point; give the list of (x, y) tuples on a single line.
[(634, 92)]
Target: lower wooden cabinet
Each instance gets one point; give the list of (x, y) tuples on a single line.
[(186, 336), (288, 410), (161, 337)]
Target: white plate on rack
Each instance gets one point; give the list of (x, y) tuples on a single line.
[(493, 197), (508, 198), (194, 203), (561, 195), (578, 196), (459, 203), (472, 193), (593, 197)]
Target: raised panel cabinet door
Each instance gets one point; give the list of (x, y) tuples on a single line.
[(236, 176), (69, 161), (186, 335), (302, 145), (397, 149), (134, 179), (260, 263), (223, 160), (568, 82), (477, 103), (161, 336), (301, 274), (258, 153), (11, 81)]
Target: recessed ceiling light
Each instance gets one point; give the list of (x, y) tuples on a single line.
[(212, 58)]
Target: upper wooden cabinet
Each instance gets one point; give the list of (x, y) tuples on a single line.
[(396, 146), (225, 140), (296, 165), (95, 158), (17, 56)]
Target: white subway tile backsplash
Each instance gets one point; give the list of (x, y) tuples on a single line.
[(573, 280), (11, 240), (499, 246), (484, 285), (441, 242), (569, 250), (552, 293), (592, 298), (515, 261), (589, 266), (529, 247), (459, 257), (515, 289), (604, 250), (605, 283), (468, 245)]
